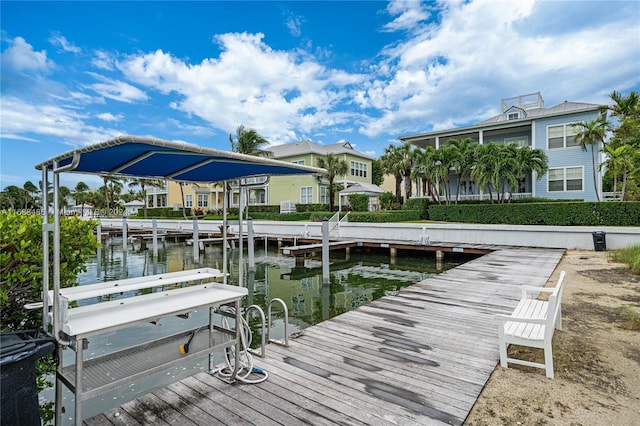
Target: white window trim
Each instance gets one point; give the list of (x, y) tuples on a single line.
[(188, 200), (564, 135), (205, 201), (301, 162), (564, 179), (358, 169), (516, 140), (309, 190)]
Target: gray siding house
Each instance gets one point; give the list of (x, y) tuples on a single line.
[(525, 121)]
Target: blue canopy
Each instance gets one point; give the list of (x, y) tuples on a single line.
[(147, 157)]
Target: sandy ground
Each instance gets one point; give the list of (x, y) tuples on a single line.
[(596, 356)]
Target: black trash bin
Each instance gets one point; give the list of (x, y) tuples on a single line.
[(599, 241), (19, 352)]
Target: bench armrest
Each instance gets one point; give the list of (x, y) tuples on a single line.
[(505, 318), (528, 289)]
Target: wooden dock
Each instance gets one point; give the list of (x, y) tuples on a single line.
[(419, 357)]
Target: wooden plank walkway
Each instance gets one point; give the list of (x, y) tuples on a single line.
[(419, 357)]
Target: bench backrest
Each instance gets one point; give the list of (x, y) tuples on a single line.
[(555, 300)]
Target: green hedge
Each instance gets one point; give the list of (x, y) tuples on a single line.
[(385, 216), (300, 208), (168, 212), (265, 209), (419, 204), (291, 217), (555, 213)]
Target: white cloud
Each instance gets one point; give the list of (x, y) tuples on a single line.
[(116, 90), (103, 60), (277, 93), (410, 14), (455, 73), (293, 23), (21, 57), (19, 118), (107, 116), (61, 41)]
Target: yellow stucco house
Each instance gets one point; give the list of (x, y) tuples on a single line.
[(276, 190)]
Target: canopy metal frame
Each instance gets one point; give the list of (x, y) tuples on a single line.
[(139, 157)]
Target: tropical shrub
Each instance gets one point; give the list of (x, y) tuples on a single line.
[(359, 202), (419, 204), (385, 216), (21, 263)]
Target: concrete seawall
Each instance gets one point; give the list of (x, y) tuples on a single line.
[(567, 237)]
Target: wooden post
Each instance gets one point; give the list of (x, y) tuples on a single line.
[(250, 248), (325, 251), (154, 234), (439, 255), (196, 245), (124, 233)]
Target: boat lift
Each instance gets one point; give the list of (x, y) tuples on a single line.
[(172, 294)]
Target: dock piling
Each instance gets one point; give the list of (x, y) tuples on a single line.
[(325, 251)]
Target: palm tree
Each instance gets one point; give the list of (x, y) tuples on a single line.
[(391, 165), (444, 160), (31, 191), (335, 166), (619, 162), (81, 195), (627, 110), (143, 184), (529, 160), (592, 133), (486, 173), (464, 159), (248, 141), (424, 170), (405, 164)]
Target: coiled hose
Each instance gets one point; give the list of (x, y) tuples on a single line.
[(247, 370)]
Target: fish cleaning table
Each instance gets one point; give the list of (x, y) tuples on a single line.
[(118, 305)]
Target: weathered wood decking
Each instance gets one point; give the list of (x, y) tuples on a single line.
[(419, 357)]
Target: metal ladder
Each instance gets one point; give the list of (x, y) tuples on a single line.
[(266, 325)]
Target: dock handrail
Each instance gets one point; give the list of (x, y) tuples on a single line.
[(285, 341), (263, 325)]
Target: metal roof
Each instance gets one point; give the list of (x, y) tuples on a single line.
[(147, 157), (308, 147)]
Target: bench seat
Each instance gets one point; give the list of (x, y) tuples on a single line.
[(532, 323)]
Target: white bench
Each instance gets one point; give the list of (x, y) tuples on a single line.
[(532, 324)]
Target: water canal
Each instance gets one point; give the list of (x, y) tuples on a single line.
[(355, 280)]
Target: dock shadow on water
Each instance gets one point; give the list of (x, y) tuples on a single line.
[(356, 279)]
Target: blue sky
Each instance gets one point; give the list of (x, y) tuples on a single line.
[(77, 73)]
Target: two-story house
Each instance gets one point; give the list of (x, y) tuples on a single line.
[(276, 190), (525, 121)]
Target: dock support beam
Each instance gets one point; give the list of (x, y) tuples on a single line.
[(439, 255), (393, 253), (325, 251)]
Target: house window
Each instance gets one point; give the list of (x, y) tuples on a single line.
[(298, 162), (188, 200), (358, 169), (563, 179), (324, 195), (203, 200), (306, 195), (518, 140), (513, 116), (562, 136), (161, 200)]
